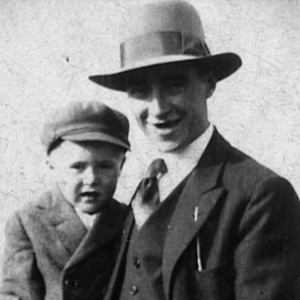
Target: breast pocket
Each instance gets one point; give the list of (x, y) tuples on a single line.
[(215, 283)]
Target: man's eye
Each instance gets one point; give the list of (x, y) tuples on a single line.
[(175, 86), (139, 92)]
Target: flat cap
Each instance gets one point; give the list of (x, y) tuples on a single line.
[(86, 121)]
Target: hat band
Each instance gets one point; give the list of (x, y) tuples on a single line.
[(160, 44)]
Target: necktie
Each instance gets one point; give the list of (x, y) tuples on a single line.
[(146, 197)]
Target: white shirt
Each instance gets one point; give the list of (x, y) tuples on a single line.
[(86, 219), (180, 164)]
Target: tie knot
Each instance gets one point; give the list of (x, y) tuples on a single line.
[(157, 167)]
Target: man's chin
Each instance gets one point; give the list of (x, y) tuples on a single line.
[(165, 145)]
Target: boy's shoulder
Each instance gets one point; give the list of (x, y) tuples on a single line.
[(52, 202), (46, 201)]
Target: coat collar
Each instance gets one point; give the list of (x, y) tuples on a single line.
[(77, 241), (66, 222), (107, 227), (117, 273), (203, 190)]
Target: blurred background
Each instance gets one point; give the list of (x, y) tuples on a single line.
[(48, 48)]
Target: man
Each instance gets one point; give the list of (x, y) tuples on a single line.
[(64, 245), (225, 227)]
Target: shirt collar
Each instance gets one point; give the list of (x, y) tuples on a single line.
[(86, 219), (180, 164), (189, 156)]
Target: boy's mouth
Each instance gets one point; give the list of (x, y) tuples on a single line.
[(92, 194)]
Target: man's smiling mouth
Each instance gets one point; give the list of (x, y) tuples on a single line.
[(165, 124)]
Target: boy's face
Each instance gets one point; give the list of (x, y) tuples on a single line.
[(87, 172)]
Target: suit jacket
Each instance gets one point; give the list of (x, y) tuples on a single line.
[(246, 222), (50, 255)]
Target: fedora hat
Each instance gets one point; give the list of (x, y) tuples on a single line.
[(166, 32)]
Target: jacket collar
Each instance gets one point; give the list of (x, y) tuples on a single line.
[(107, 227), (66, 222), (78, 242), (119, 267)]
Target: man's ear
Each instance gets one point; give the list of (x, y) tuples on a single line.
[(211, 87)]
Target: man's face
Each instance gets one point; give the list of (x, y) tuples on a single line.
[(169, 103), (87, 173)]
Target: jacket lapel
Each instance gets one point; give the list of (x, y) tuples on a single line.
[(128, 225), (66, 223), (203, 191), (107, 227)]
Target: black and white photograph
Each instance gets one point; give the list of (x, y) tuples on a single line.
[(150, 150)]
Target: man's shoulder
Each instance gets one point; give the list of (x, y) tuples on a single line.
[(242, 163), (245, 173), (249, 184), (236, 160)]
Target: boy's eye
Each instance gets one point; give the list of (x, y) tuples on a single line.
[(105, 166), (77, 166)]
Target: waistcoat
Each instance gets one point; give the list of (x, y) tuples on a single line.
[(143, 270)]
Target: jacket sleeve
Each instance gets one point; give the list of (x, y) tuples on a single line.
[(21, 277), (268, 253)]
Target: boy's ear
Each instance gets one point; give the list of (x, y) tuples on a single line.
[(49, 163), (123, 162)]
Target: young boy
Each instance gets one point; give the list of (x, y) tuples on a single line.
[(64, 245)]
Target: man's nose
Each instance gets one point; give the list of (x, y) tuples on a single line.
[(159, 103)]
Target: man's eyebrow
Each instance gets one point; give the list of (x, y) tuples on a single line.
[(144, 80), (136, 81), (173, 77)]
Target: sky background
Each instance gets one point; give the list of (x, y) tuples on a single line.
[(48, 48)]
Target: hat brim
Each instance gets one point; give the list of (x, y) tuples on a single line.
[(221, 66), (96, 136)]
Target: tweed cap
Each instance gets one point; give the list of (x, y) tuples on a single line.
[(86, 121)]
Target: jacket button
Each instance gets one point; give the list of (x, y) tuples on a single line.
[(136, 263), (71, 283), (133, 290)]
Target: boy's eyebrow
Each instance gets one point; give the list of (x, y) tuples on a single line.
[(77, 163)]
